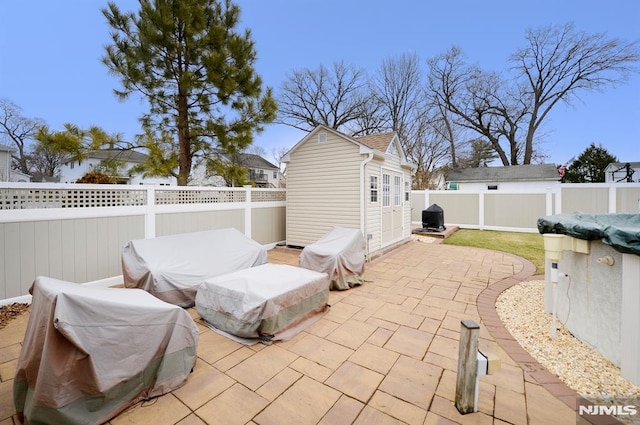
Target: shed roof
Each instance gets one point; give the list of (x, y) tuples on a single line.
[(379, 142), (529, 172)]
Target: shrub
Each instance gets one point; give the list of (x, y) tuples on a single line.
[(95, 177)]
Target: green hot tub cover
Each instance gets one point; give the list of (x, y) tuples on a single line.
[(620, 231)]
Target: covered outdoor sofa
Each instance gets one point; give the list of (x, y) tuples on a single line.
[(89, 353), (172, 267), (340, 253)]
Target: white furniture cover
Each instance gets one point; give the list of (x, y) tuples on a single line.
[(340, 253), (172, 267), (262, 301), (90, 352)]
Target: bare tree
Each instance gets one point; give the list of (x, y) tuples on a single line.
[(333, 97), (19, 130), (446, 88), (557, 65), (429, 151), (561, 62), (45, 162), (398, 89)]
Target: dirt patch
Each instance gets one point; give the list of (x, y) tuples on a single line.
[(11, 311)]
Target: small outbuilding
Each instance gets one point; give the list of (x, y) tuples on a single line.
[(512, 177), (355, 182)]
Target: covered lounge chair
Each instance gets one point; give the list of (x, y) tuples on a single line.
[(89, 353)]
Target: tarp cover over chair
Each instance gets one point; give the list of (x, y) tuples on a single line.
[(340, 253), (89, 352), (172, 267), (262, 301)]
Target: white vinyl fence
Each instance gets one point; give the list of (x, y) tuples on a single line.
[(519, 210), (76, 232)]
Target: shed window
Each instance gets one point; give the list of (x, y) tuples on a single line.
[(386, 190), (397, 193), (373, 188), (322, 138), (407, 191), (492, 187)]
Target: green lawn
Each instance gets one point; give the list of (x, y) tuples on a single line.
[(525, 245)]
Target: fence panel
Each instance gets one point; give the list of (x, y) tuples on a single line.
[(77, 232)]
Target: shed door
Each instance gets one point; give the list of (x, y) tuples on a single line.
[(397, 206), (391, 207)]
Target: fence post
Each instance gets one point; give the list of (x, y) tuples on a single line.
[(150, 216), (467, 367), (247, 211), (481, 209)]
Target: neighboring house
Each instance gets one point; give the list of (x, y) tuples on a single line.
[(260, 171), (622, 172), (512, 177), (72, 170), (337, 180), (6, 173)]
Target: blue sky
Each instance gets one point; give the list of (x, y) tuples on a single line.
[(50, 56)]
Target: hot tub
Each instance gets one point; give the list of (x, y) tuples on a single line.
[(598, 282)]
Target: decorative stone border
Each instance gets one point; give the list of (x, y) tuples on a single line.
[(534, 372)]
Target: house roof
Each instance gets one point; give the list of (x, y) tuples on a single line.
[(251, 160), (6, 148), (530, 172), (379, 142), (127, 155), (616, 165)]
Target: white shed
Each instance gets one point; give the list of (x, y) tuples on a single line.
[(337, 180)]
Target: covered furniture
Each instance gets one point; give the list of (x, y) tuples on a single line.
[(89, 353), (262, 301), (172, 267), (340, 253)]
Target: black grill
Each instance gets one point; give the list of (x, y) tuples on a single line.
[(433, 218)]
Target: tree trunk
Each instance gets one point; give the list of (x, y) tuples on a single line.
[(184, 142)]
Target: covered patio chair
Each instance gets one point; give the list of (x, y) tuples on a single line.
[(340, 253), (89, 353)]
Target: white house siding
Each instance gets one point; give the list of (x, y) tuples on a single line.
[(77, 250), (323, 188)]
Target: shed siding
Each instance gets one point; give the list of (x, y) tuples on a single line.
[(323, 189)]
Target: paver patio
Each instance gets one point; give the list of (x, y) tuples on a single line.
[(386, 353)]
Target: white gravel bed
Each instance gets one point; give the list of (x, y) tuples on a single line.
[(575, 363)]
